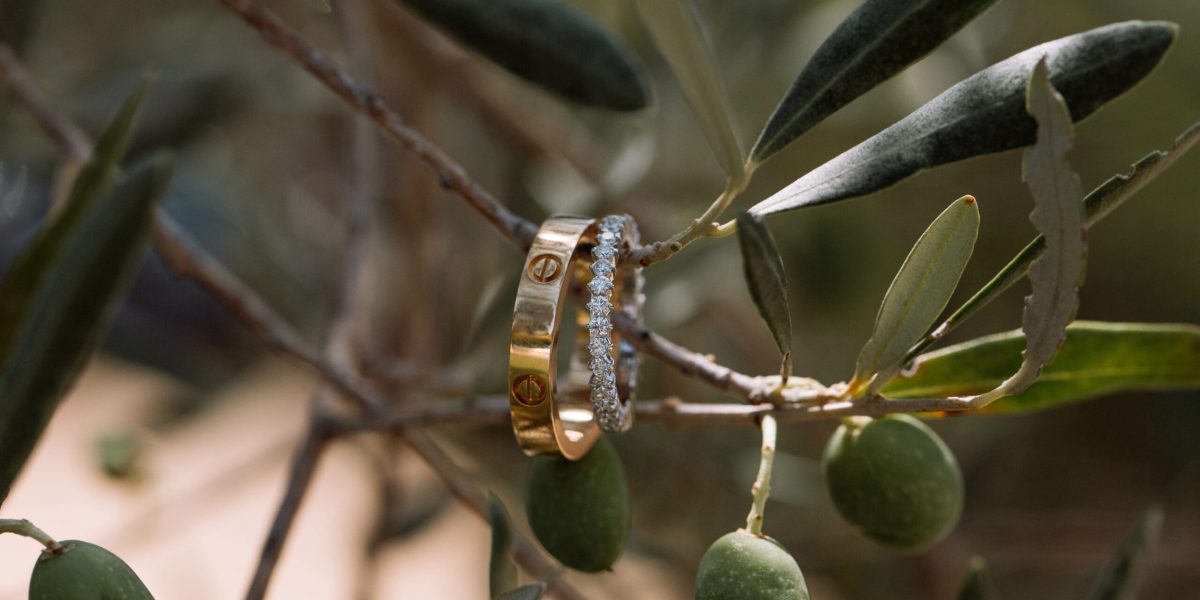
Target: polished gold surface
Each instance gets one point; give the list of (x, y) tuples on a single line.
[(546, 419)]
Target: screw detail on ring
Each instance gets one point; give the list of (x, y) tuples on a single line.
[(529, 389), (545, 268)]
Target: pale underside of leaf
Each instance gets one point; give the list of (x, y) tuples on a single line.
[(985, 113), (879, 39), (1096, 359), (920, 290), (680, 37), (1058, 215), (766, 278), (1099, 203)]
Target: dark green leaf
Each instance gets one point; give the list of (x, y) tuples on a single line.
[(879, 39), (502, 573), (977, 582), (1119, 580), (547, 42), (1095, 360), (986, 112), (766, 278), (60, 292), (920, 291), (680, 38), (1096, 205), (1058, 214), (532, 591)]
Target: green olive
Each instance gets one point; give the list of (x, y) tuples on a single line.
[(579, 510), (895, 480), (84, 572), (744, 566)]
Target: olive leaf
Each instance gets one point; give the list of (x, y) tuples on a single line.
[(531, 591), (1096, 205), (680, 37), (502, 573), (547, 42), (985, 113), (1119, 580), (60, 294), (1058, 214), (977, 581), (1096, 359), (767, 280), (919, 292), (879, 39)]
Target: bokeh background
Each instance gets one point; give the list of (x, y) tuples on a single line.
[(268, 165)]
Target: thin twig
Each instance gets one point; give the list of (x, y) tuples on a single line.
[(299, 476), (517, 230), (493, 411), (186, 259), (338, 349), (73, 142)]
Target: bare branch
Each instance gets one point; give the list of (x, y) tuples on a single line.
[(299, 476), (186, 259), (72, 140), (493, 411), (518, 231)]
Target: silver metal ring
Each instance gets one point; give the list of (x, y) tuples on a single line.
[(613, 379)]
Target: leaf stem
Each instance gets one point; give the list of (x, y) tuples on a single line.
[(762, 484), (29, 530), (703, 226)]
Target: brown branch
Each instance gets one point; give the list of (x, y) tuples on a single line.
[(518, 231), (72, 140), (493, 411), (299, 477), (186, 259)]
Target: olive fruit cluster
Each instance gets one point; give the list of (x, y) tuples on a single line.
[(895, 480)]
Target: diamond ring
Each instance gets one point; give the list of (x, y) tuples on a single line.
[(613, 378)]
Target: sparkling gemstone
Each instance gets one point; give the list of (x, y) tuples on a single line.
[(604, 252), (599, 347), (602, 268), (600, 286)]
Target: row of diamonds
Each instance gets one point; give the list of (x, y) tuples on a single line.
[(608, 411)]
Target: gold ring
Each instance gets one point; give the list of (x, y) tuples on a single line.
[(545, 419)]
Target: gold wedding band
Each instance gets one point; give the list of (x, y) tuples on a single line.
[(548, 420)]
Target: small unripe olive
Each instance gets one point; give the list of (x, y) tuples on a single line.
[(744, 566), (579, 510), (895, 480), (84, 572)]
